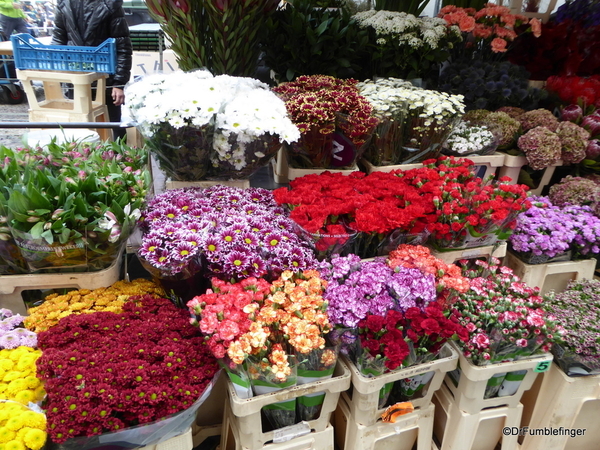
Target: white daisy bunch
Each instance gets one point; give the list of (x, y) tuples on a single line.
[(405, 29), (467, 138), (238, 106), (386, 96)]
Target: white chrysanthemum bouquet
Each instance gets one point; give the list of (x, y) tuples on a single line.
[(202, 126)]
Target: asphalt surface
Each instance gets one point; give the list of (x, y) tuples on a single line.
[(12, 113)]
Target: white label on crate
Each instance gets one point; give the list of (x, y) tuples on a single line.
[(293, 431)]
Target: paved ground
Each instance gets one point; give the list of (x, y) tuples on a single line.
[(12, 113)]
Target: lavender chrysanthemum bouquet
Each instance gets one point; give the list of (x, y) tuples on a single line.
[(357, 288), (231, 232), (577, 309), (12, 334)]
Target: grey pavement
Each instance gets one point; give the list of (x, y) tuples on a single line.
[(12, 113)]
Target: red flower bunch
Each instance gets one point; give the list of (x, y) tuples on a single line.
[(403, 339), (584, 91), (448, 277), (105, 371), (494, 26), (224, 313)]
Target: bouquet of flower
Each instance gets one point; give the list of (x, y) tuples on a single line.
[(85, 301), (12, 333), (22, 386), (507, 125), (104, 371), (221, 231), (407, 46), (505, 318), (266, 334), (468, 139), (413, 122), (334, 120), (487, 33), (382, 208), (25, 426), (72, 206), (576, 90), (577, 352), (575, 191), (199, 126)]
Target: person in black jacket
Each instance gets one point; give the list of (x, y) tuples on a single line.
[(90, 23)]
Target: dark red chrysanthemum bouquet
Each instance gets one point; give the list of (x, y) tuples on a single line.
[(105, 371)]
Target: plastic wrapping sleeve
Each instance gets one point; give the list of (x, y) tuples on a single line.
[(141, 435)]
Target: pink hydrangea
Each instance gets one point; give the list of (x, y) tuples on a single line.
[(574, 140), (538, 118), (541, 146)]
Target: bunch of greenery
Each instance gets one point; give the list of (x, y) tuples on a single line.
[(302, 39)]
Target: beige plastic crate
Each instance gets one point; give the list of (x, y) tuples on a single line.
[(569, 402), (242, 419), (363, 403), (512, 166), (491, 163), (468, 394), (458, 430), (181, 442), (408, 430), (12, 286), (551, 276), (209, 418), (449, 257), (283, 173), (170, 184)]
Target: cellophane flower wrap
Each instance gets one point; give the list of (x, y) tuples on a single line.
[(388, 315), (334, 120), (72, 206), (204, 127), (505, 318), (406, 46), (226, 232), (414, 122), (576, 308), (266, 333), (105, 372)]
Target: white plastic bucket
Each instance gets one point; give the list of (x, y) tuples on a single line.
[(44, 137)]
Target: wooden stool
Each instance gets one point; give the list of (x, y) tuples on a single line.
[(56, 108)]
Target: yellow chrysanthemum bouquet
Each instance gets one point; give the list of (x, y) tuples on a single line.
[(18, 380), (21, 428)]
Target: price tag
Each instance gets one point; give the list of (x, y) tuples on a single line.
[(293, 431), (542, 366)]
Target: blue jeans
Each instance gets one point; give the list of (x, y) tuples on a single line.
[(10, 24)]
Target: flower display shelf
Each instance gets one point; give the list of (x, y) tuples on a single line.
[(486, 251), (363, 399), (242, 422), (468, 392), (416, 427), (512, 166), (569, 402), (181, 442), (283, 173), (12, 286), (551, 276), (458, 430), (209, 418), (485, 165)]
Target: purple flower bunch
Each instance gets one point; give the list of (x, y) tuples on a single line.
[(547, 229), (356, 288), (232, 232), (12, 333)]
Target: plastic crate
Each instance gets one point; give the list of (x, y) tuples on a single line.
[(364, 400), (31, 54), (283, 173), (209, 418), (569, 402), (147, 40), (468, 392), (458, 430), (512, 166), (12, 286), (450, 257), (485, 165), (170, 184), (242, 421), (408, 430), (551, 276), (181, 442)]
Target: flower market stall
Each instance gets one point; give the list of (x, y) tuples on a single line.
[(422, 278)]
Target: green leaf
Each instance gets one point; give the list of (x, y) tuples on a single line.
[(48, 236), (37, 230), (321, 28)]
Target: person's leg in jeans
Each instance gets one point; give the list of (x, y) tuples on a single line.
[(114, 114)]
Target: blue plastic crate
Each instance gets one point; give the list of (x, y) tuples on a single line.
[(31, 54)]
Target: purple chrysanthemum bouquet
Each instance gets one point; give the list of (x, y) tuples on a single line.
[(12, 333), (229, 233)]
